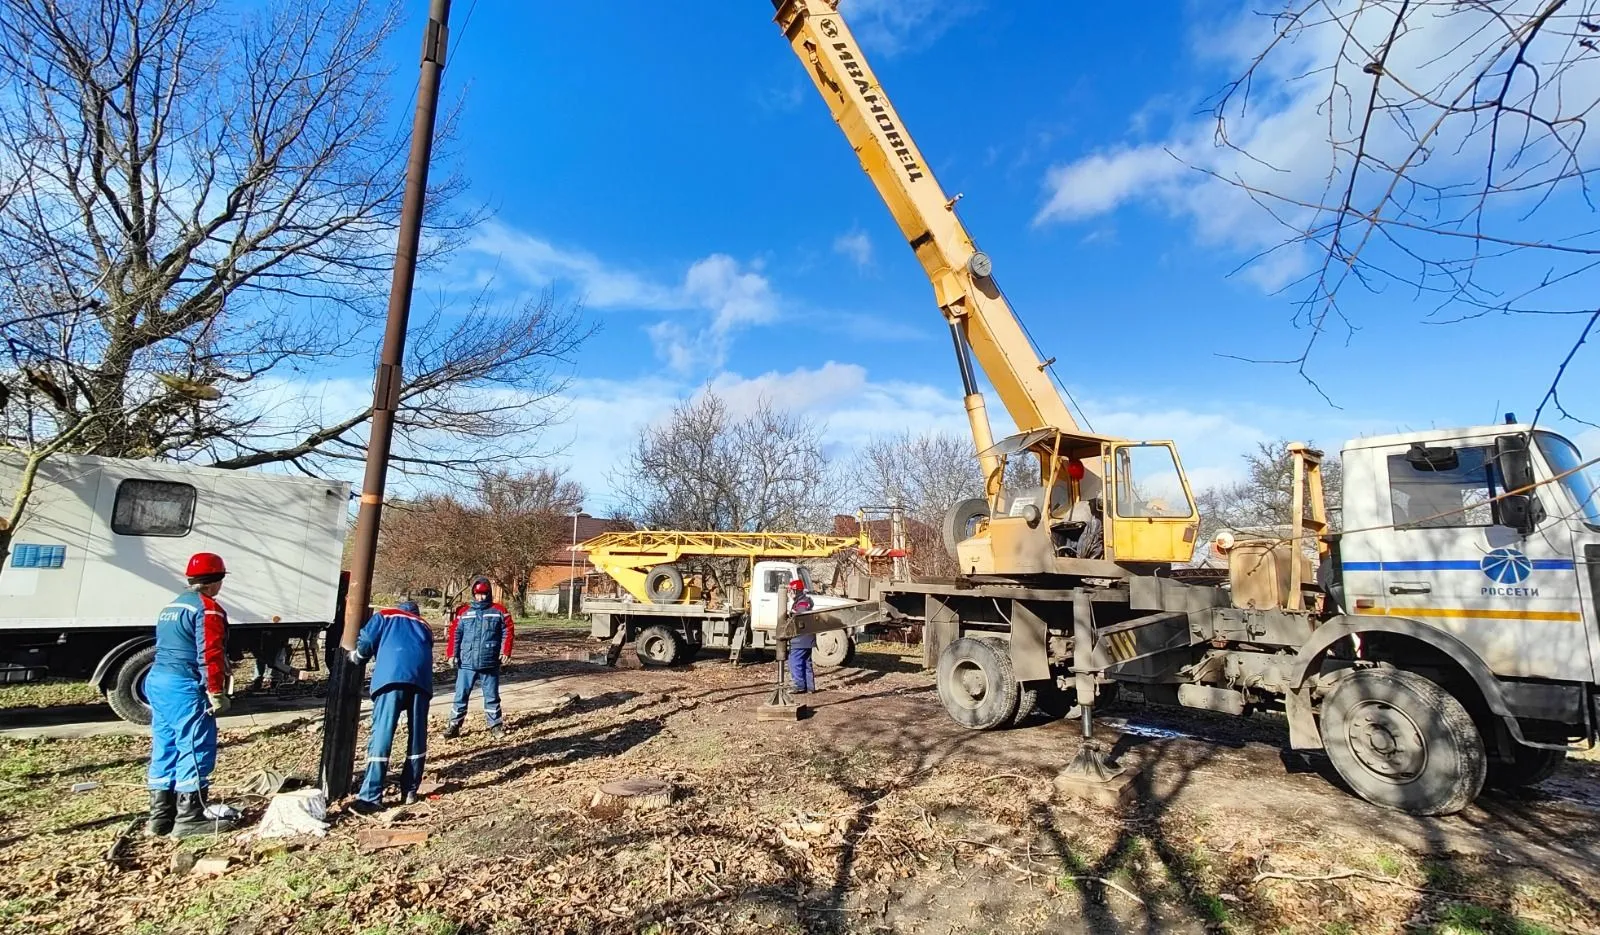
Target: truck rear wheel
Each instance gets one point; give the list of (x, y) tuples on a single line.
[(664, 584), (1403, 742), (834, 648), (659, 646), (126, 694), (1528, 766), (977, 684)]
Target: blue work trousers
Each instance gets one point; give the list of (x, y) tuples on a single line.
[(183, 734), (465, 679), (386, 708), (802, 675)]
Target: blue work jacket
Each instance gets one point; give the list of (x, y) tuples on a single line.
[(401, 644), (480, 633)]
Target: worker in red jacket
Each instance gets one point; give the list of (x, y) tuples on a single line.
[(479, 644), (188, 688)]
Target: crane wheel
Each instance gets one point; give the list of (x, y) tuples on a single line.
[(960, 522), (664, 584), (126, 694), (1402, 742), (1528, 766), (977, 684), (659, 646)]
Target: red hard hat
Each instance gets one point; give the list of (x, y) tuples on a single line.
[(481, 586), (206, 565), (1075, 469), (797, 585)]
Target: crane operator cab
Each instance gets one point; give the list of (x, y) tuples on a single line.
[(1061, 503)]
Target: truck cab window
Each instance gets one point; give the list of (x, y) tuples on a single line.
[(153, 508), (1149, 483), (777, 579), (1445, 498)]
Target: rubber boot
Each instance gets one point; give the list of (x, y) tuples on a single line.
[(192, 818), (163, 809)]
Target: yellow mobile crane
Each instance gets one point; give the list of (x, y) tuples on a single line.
[(1448, 640), (1106, 506), (668, 619)]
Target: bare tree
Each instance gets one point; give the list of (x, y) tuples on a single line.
[(514, 522), (198, 219), (524, 518), (1458, 162), (925, 475), (706, 468), (1266, 497)]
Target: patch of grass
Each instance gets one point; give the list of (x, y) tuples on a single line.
[(1441, 875), (1338, 928), (431, 923), (1388, 865), (1469, 919), (49, 693)]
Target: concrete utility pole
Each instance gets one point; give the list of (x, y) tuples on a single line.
[(572, 563), (344, 692)]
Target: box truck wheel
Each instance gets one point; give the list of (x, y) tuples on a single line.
[(1528, 766), (1403, 742), (977, 684), (664, 584), (834, 648), (126, 694), (659, 646)]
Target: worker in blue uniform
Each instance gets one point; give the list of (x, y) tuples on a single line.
[(479, 643), (802, 675), (401, 644), (187, 689)]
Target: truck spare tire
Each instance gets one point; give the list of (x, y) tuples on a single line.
[(960, 520), (664, 584)]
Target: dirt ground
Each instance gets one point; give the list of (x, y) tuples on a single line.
[(876, 814)]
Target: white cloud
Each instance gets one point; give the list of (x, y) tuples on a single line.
[(729, 295), (856, 245), (895, 26), (1280, 143)]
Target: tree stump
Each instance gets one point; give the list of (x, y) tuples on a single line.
[(638, 793)]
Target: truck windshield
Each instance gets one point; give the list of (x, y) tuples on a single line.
[(1583, 485)]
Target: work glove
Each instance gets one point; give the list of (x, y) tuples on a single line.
[(453, 662), (505, 658), (356, 658), (218, 703)]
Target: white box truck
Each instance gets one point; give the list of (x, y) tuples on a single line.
[(103, 547)]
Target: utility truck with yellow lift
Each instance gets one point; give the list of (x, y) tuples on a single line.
[(668, 615), (1446, 637)]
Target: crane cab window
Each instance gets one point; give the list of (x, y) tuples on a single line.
[(1442, 496), (153, 508), (1149, 483), (777, 580)]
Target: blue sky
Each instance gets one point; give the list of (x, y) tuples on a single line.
[(677, 172)]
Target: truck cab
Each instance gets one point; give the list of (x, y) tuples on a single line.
[(1488, 534), (769, 588)]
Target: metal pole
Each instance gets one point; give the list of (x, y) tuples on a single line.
[(572, 563), (344, 695)]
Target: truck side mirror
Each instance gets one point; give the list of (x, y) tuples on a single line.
[(1521, 512), (1516, 462)]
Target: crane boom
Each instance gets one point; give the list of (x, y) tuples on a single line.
[(978, 314)]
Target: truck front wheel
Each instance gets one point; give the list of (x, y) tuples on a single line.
[(977, 684), (659, 646), (834, 648), (126, 694), (1403, 742)]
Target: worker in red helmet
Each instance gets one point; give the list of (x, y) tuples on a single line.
[(479, 643), (802, 675), (187, 688)]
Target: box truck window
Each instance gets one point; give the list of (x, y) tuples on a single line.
[(153, 508)]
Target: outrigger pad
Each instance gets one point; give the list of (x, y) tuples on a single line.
[(780, 712), (1091, 776)]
